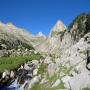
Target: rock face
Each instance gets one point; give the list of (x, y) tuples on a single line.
[(59, 27), (61, 38), (58, 39)]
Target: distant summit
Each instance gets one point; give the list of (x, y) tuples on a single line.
[(40, 34), (59, 27)]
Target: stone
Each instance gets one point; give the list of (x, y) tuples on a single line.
[(21, 67), (35, 52), (36, 79), (51, 69), (57, 82), (26, 67), (47, 60), (43, 81), (5, 73), (12, 74), (65, 80), (62, 74), (35, 62), (35, 71), (88, 66), (82, 81)]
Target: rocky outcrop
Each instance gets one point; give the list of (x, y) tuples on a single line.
[(61, 38), (67, 55), (58, 39)]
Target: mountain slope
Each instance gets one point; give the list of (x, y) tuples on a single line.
[(13, 37)]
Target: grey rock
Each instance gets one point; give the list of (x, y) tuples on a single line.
[(36, 79), (51, 69), (57, 82)]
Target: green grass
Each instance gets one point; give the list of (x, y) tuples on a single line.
[(86, 89), (84, 52), (36, 86), (45, 86), (11, 63), (42, 68), (65, 70), (53, 78), (60, 86)]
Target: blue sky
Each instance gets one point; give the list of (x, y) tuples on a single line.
[(41, 15)]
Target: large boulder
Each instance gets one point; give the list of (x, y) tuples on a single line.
[(51, 69), (57, 82), (12, 74), (48, 60), (36, 79), (80, 81)]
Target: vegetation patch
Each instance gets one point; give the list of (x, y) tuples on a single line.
[(65, 70), (11, 63), (42, 68), (86, 89), (62, 35), (84, 52), (53, 78), (60, 86), (53, 33), (46, 86)]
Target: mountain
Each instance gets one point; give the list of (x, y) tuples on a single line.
[(57, 40), (58, 27), (66, 52), (14, 37), (62, 37)]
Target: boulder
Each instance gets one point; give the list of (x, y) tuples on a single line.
[(5, 73), (35, 62), (35, 72), (65, 80), (36, 79), (47, 60), (12, 74), (26, 67), (57, 82), (79, 81), (51, 69)]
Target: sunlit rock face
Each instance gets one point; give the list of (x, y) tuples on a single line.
[(59, 27), (61, 38), (58, 39)]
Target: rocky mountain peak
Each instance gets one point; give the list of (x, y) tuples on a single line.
[(59, 26)]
